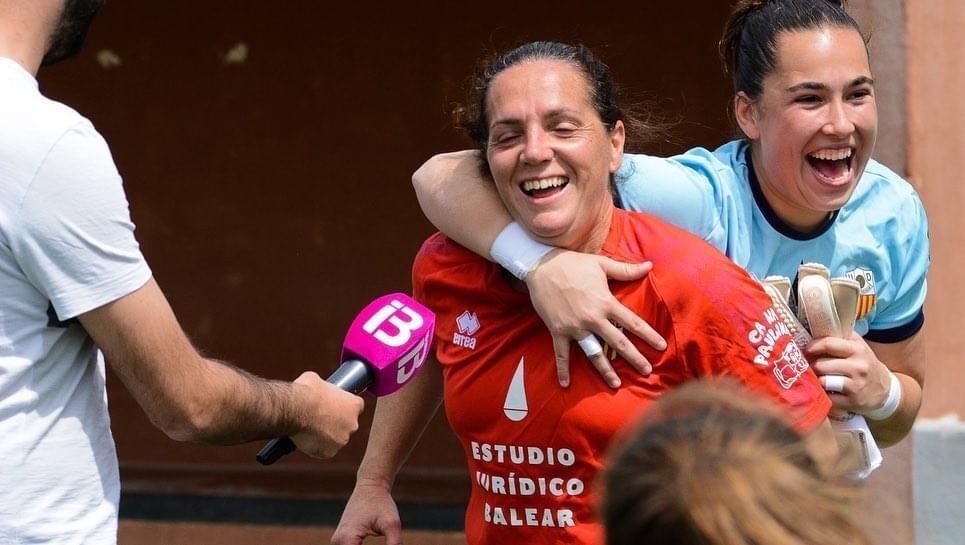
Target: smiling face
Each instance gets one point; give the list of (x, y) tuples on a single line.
[(551, 155), (814, 126)]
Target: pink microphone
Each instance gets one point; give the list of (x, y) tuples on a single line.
[(384, 348)]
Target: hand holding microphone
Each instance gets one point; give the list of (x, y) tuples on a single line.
[(384, 348)]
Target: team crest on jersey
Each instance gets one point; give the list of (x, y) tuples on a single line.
[(867, 295), (468, 325)]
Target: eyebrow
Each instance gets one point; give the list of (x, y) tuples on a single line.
[(552, 114), (815, 86)]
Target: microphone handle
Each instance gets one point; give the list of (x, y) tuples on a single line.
[(352, 376)]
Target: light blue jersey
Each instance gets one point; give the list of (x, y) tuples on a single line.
[(879, 238)]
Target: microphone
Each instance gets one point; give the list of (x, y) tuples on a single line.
[(384, 348)]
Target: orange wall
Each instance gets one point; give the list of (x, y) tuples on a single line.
[(936, 161)]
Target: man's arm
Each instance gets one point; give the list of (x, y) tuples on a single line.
[(191, 398), (399, 421), (569, 290)]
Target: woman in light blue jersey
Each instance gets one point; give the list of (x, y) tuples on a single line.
[(799, 187)]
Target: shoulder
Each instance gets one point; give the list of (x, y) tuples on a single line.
[(680, 258), (40, 135), (698, 161), (879, 179), (884, 198), (29, 114), (651, 237), (440, 254)]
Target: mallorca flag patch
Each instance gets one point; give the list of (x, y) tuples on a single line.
[(867, 295)]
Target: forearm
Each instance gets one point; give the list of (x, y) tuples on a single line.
[(459, 201), (225, 405), (188, 397), (204, 400), (893, 429), (906, 360), (398, 423)]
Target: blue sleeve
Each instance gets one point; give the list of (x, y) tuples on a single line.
[(910, 258), (684, 190)]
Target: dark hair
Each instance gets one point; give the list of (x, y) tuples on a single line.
[(604, 92), (712, 464), (67, 38), (748, 47)]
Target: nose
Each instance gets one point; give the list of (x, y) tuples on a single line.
[(838, 122), (536, 148)]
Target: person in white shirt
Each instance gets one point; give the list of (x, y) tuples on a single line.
[(77, 291)]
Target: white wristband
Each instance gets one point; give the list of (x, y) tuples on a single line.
[(515, 250), (891, 403)]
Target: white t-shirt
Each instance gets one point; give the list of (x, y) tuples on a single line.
[(66, 247)]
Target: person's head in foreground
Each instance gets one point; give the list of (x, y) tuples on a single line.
[(713, 464)]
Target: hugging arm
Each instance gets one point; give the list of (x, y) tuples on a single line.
[(569, 290)]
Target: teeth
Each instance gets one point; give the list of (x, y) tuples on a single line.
[(832, 155), (544, 183)]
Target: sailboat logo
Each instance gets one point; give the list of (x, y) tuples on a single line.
[(515, 407)]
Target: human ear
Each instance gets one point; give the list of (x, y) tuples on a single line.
[(745, 111), (617, 139)]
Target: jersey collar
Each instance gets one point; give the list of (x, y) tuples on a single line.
[(772, 218)]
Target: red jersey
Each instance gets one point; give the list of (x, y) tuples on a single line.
[(534, 449)]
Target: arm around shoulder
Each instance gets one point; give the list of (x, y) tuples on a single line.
[(460, 201)]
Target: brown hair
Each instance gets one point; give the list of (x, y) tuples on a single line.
[(712, 464), (605, 94), (748, 46)]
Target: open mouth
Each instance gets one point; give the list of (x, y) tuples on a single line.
[(544, 187), (832, 164)]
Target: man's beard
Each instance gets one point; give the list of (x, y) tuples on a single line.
[(68, 38)]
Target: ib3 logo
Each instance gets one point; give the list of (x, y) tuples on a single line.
[(394, 326)]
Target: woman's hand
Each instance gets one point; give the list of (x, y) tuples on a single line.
[(370, 511), (570, 293)]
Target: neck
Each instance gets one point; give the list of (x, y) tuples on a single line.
[(590, 232), (795, 216), (25, 30)]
